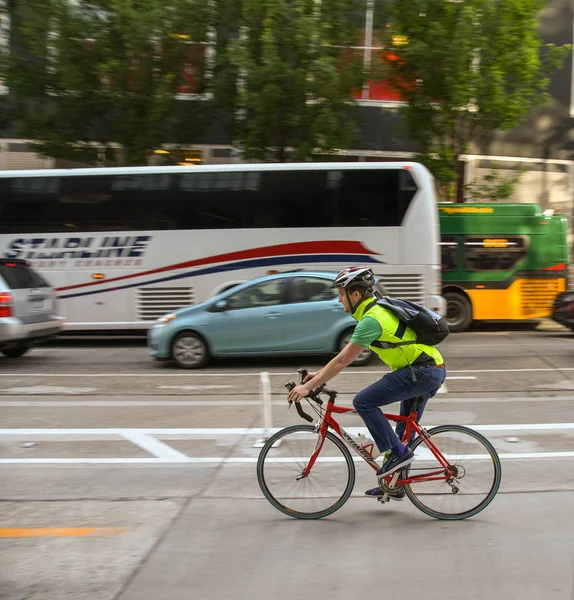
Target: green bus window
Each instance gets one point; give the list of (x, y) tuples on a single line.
[(449, 252), (493, 253)]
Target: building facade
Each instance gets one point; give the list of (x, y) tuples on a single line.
[(542, 146)]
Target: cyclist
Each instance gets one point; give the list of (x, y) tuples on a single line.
[(417, 370)]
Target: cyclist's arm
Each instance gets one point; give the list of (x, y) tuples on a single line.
[(347, 355), (366, 332)]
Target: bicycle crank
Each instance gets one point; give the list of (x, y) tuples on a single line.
[(388, 487)]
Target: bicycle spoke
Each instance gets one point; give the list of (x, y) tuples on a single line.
[(476, 470), (323, 490)]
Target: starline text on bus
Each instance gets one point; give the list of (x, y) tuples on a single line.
[(54, 248)]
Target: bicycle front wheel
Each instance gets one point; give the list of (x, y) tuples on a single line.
[(476, 469), (323, 491)]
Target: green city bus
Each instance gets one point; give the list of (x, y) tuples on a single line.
[(501, 262)]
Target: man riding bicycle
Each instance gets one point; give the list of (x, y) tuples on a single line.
[(417, 370)]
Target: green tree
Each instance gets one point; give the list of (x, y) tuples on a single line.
[(98, 73), (467, 69), (494, 187), (294, 73)]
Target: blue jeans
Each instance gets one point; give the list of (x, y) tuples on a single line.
[(394, 387)]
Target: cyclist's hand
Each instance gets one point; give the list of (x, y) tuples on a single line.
[(298, 393), (310, 376)]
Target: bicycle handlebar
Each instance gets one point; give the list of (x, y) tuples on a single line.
[(313, 395)]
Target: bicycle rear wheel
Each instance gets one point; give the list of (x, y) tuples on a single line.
[(326, 488), (477, 473)]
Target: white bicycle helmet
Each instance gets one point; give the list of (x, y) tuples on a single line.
[(355, 277)]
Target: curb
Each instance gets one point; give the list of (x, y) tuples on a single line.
[(550, 325)]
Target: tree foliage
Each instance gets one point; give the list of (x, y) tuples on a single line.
[(104, 72), (469, 68), (295, 73), (494, 186)]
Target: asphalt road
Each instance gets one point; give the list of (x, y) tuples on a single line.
[(121, 478)]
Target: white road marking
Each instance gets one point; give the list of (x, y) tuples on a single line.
[(341, 402), (174, 433), (272, 373), (189, 388), (73, 350), (132, 403), (155, 447), (49, 389), (501, 401), (236, 460)]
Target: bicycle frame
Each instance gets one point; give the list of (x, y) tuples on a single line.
[(327, 421)]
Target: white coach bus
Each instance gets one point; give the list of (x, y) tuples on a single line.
[(124, 246)]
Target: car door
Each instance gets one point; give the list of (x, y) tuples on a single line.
[(314, 315), (252, 321)]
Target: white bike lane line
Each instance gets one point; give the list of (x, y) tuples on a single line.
[(155, 443), (253, 374)]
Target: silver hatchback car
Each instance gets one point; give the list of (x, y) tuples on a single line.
[(27, 308)]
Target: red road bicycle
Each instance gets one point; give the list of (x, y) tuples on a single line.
[(307, 472)]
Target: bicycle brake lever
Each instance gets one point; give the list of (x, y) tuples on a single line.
[(302, 413), (289, 385)]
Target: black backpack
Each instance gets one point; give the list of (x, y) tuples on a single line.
[(430, 327)]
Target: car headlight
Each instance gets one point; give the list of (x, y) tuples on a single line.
[(165, 319)]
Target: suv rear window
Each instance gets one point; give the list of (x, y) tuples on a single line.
[(19, 277)]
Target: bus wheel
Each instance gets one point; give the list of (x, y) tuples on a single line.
[(189, 351), (458, 311)]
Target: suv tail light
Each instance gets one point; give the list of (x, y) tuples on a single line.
[(5, 304)]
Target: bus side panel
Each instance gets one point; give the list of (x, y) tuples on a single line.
[(90, 307), (525, 298)]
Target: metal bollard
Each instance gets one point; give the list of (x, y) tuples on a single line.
[(266, 410), (267, 417)]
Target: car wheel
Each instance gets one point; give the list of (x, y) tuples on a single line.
[(189, 351), (365, 355), (458, 311), (15, 351)]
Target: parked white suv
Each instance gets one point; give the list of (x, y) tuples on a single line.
[(27, 308)]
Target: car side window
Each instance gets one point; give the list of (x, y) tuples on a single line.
[(313, 289), (269, 293)]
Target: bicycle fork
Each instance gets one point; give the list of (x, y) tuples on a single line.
[(318, 446)]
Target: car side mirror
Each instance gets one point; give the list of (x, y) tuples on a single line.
[(220, 306)]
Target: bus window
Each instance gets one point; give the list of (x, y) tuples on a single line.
[(493, 253), (373, 198), (295, 199), (449, 252)]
